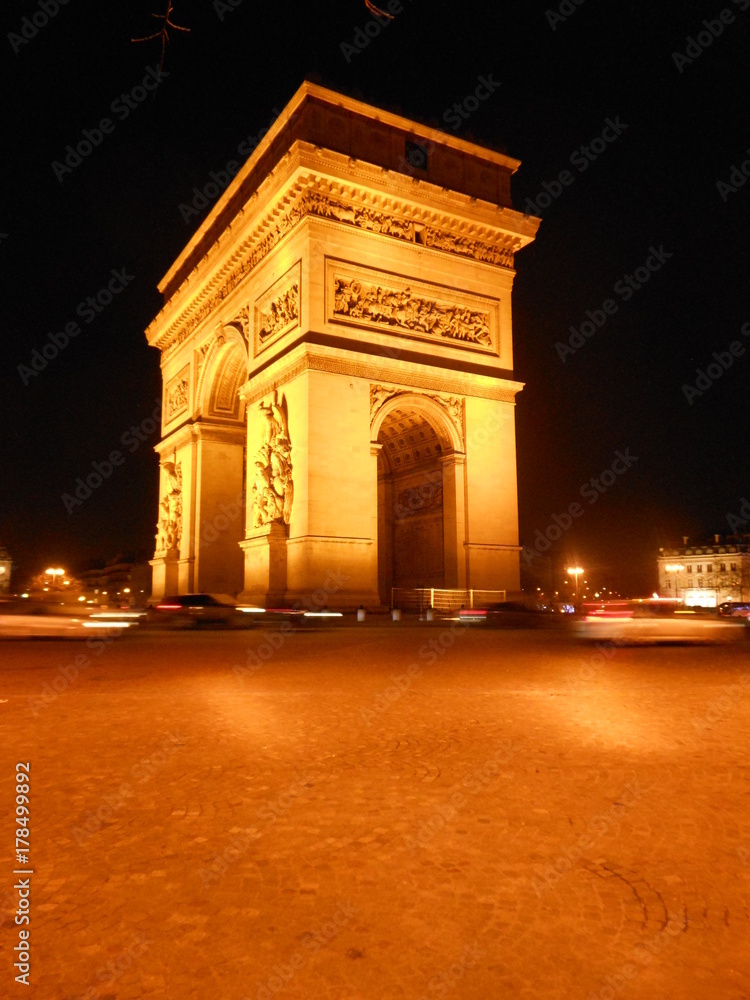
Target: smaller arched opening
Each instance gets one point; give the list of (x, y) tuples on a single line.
[(414, 440), (220, 438)]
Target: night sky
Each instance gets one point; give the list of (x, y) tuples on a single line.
[(659, 187)]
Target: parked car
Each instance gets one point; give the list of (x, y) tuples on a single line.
[(655, 620), (202, 610)]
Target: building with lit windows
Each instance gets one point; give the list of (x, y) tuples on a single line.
[(5, 568), (706, 575)]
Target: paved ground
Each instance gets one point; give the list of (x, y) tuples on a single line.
[(358, 815)]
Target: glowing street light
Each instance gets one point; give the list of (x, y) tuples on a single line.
[(575, 572), (673, 569)]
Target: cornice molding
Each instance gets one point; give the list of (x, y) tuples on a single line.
[(393, 214), (304, 359)]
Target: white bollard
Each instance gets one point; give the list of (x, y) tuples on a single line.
[(429, 615), (396, 615), (361, 614)]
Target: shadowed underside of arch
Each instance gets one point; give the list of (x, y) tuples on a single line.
[(410, 501)]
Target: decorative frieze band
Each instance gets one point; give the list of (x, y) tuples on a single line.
[(377, 300), (315, 196)]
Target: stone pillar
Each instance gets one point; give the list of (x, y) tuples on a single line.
[(384, 533), (492, 550), (218, 524), (265, 566), (165, 577), (454, 520), (332, 546), (172, 564)]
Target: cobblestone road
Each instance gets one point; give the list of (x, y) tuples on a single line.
[(378, 813)]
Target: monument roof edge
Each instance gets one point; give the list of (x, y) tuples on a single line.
[(307, 91)]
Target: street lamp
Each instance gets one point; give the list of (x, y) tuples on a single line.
[(575, 572), (673, 568)]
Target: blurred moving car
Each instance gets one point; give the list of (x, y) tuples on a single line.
[(27, 621), (508, 614), (202, 610), (734, 609), (655, 620)]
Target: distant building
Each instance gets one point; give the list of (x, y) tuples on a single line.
[(5, 567), (118, 580), (708, 574)]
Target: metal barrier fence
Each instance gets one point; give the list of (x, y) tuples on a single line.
[(443, 600)]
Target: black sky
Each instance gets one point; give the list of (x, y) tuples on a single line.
[(653, 186)]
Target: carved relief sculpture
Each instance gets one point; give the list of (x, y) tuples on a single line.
[(177, 395), (374, 304), (170, 521), (242, 322), (281, 312), (273, 489), (497, 249), (453, 406)]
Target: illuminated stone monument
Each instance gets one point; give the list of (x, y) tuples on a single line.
[(336, 344)]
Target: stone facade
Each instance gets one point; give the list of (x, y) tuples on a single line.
[(6, 566), (706, 575), (336, 349)]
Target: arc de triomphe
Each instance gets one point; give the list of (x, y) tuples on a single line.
[(336, 351)]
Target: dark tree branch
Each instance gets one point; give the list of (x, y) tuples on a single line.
[(163, 33)]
